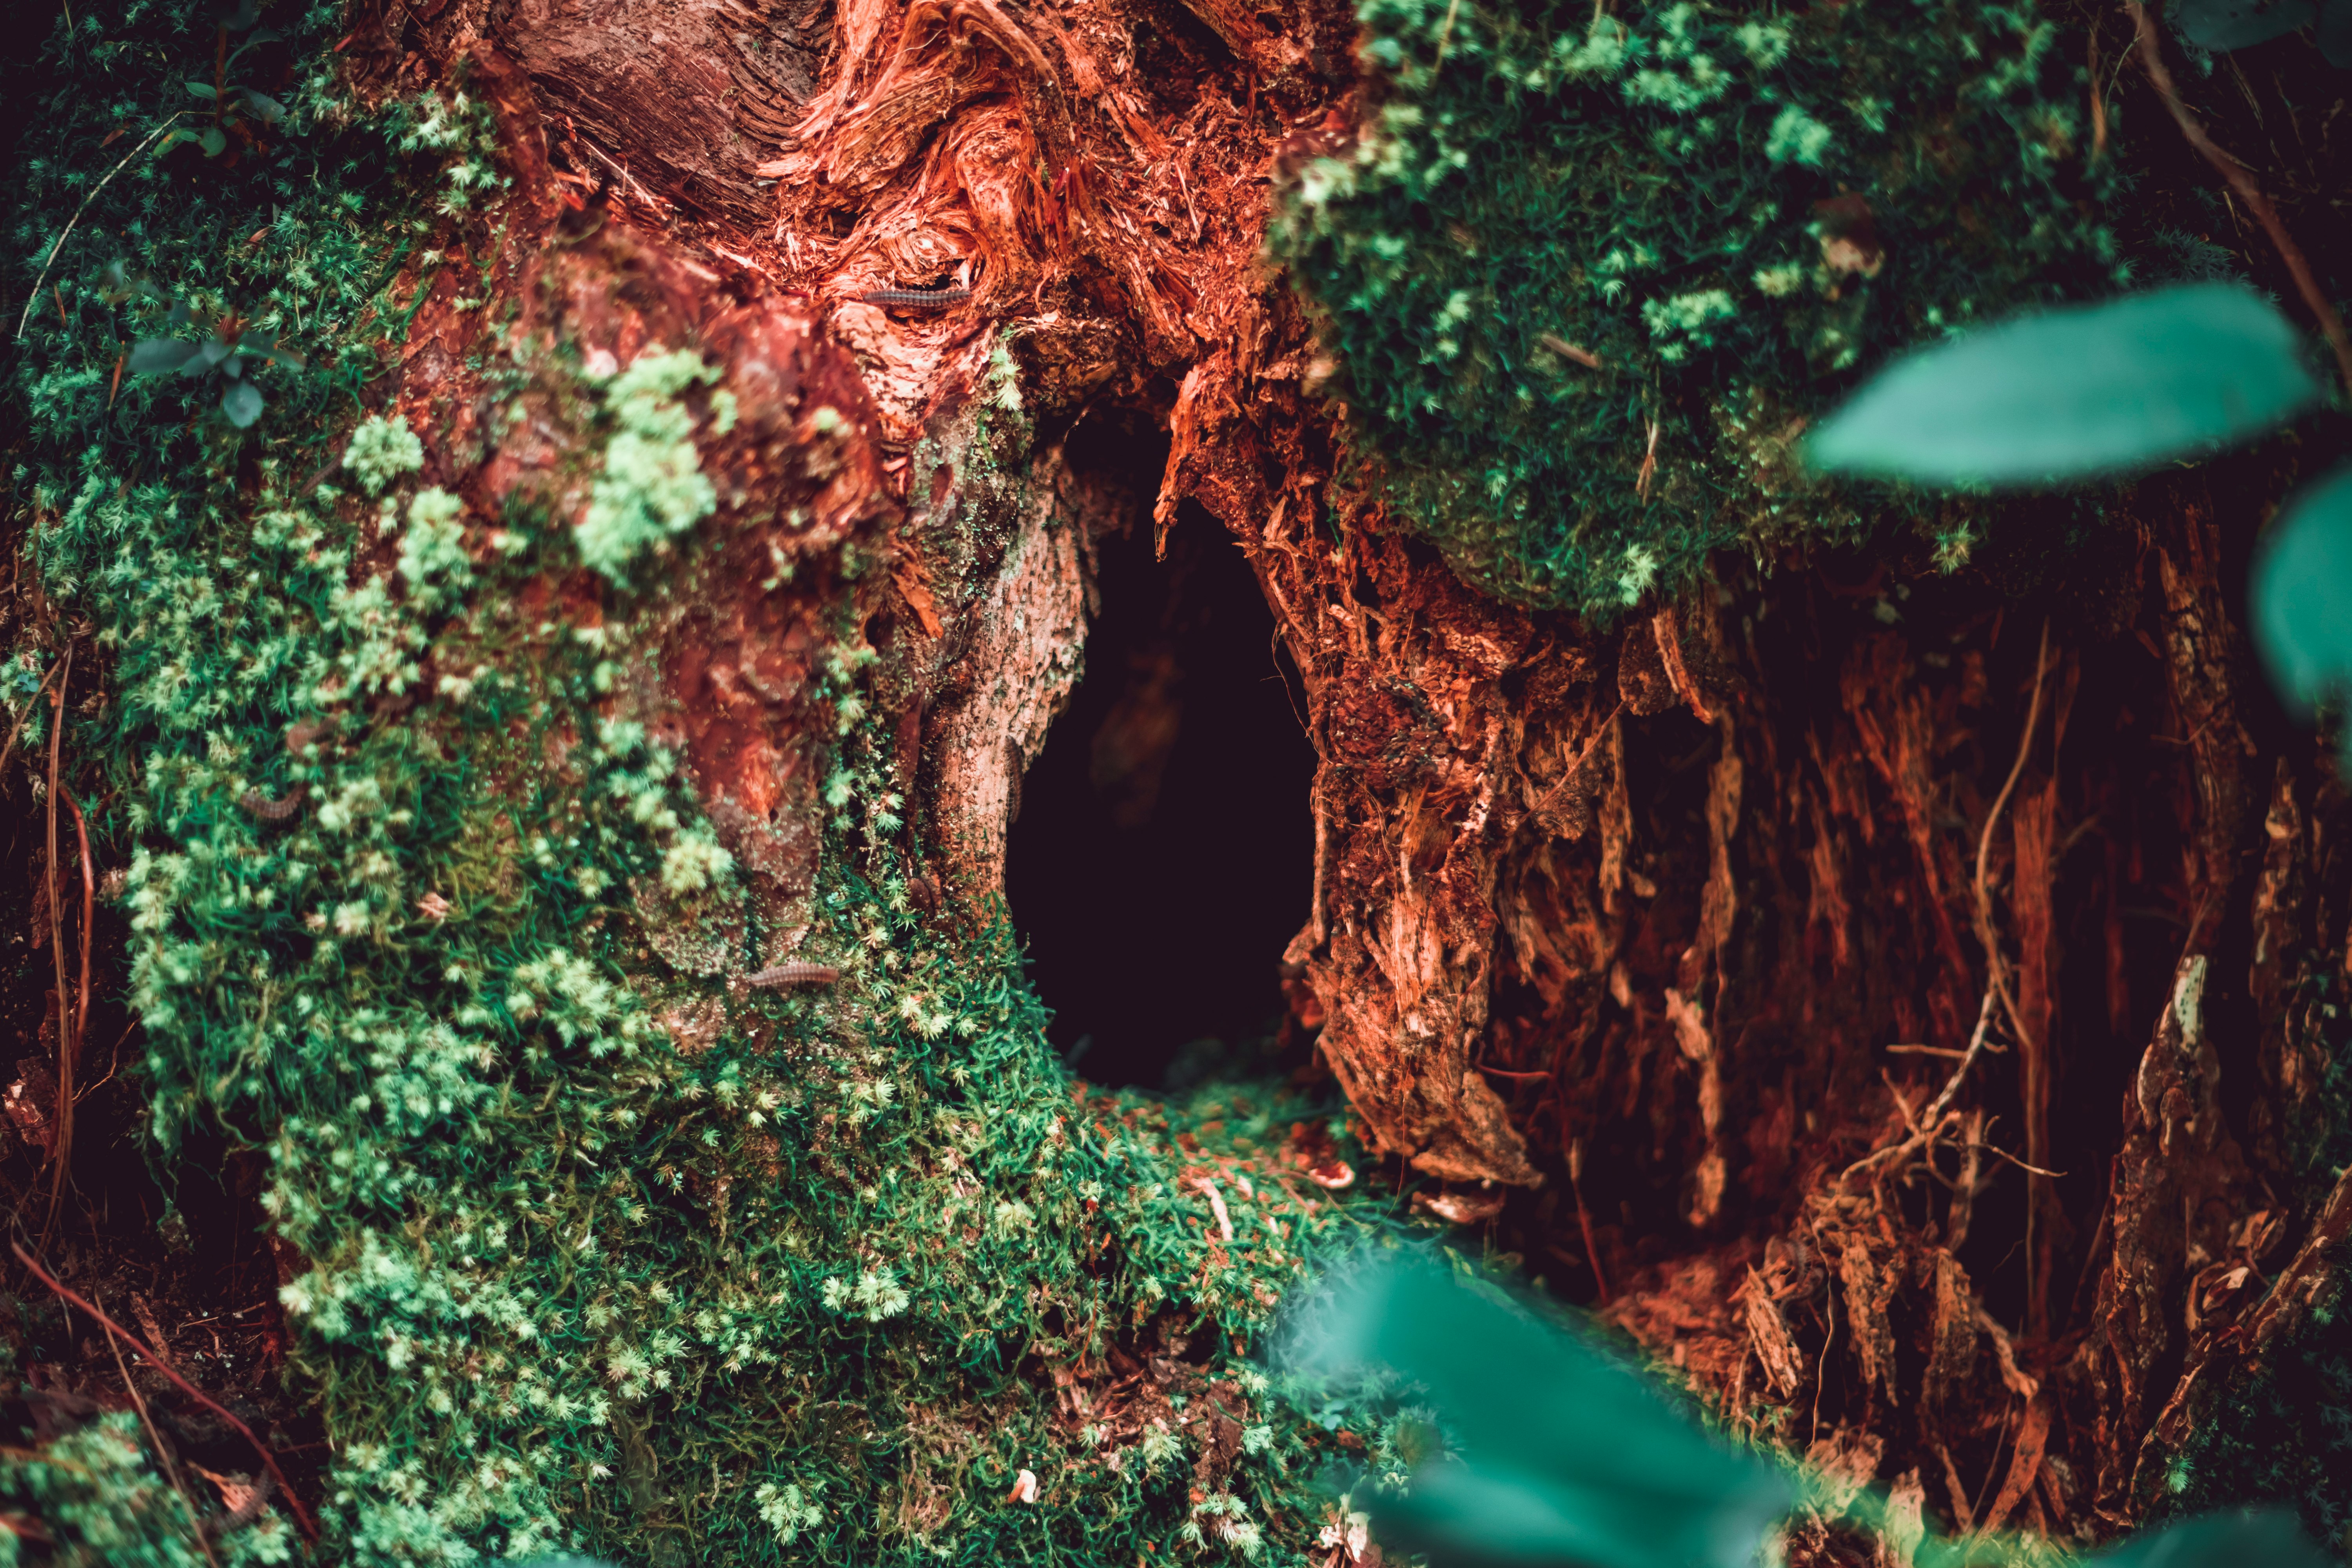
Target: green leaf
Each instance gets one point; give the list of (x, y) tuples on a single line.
[(2268, 1537), (205, 355), (2302, 591), (153, 356), (213, 142), (2076, 393), (1564, 1455), (264, 345), (2221, 24), (267, 109), (204, 91), (242, 402), (2335, 31)]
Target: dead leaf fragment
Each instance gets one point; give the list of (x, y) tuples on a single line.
[(1461, 1208)]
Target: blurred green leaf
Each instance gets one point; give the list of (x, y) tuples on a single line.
[(261, 345), (2302, 591), (2336, 32), (213, 140), (1564, 1456), (2219, 25), (267, 109), (204, 355), (2076, 393), (242, 402), (2255, 1539), (153, 356), (204, 90)]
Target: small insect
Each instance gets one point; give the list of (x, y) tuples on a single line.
[(917, 298), (269, 810), (778, 976), (955, 293)]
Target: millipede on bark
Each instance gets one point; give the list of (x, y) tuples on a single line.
[(779, 974), (917, 298), (269, 810)]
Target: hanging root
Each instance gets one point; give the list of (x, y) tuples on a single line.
[(1925, 1128)]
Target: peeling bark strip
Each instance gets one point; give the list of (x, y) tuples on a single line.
[(2176, 1187)]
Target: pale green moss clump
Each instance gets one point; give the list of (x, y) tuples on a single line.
[(381, 450), (102, 1501), (433, 552), (1720, 211), (653, 487)]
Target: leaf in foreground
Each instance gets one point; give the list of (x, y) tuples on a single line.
[(2076, 393), (1563, 1457), (2303, 593), (2219, 25), (2266, 1538)]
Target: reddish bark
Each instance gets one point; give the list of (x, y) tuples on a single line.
[(1687, 911)]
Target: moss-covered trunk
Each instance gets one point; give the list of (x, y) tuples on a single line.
[(1896, 982)]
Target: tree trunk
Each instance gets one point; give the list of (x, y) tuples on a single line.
[(1900, 1001), (1674, 928)]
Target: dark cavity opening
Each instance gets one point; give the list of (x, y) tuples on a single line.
[(1163, 853)]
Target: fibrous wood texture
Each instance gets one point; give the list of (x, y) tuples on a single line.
[(1677, 927)]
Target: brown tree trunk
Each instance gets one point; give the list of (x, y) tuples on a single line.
[(1665, 949)]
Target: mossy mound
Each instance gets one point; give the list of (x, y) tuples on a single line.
[(594, 1251), (1587, 275)]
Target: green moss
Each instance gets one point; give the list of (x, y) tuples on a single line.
[(652, 487), (600, 1252), (1716, 202), (2287, 1437), (433, 559), (97, 1493), (381, 450)]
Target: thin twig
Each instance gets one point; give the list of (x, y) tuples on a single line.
[(302, 1515), (62, 1151), (163, 1455), (2151, 60), (88, 911), (1995, 966), (1942, 1102), (1444, 35), (627, 178), (1997, 1148), (1584, 1217), (2030, 1066), (2000, 802), (2098, 101), (60, 244)]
